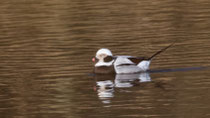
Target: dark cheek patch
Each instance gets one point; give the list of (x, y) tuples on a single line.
[(108, 59)]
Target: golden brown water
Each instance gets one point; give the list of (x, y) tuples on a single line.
[(46, 49)]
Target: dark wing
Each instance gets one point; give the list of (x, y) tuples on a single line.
[(136, 60)]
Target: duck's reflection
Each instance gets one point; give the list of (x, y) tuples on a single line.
[(105, 90), (107, 83), (128, 80)]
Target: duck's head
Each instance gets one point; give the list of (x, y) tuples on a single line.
[(103, 57)]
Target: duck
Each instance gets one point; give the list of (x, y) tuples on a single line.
[(106, 63)]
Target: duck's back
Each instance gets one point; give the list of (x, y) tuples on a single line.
[(125, 64)]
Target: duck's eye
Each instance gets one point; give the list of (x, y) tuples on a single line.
[(108, 59)]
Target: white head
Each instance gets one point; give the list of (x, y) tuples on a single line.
[(101, 55), (103, 51)]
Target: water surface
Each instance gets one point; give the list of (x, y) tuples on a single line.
[(46, 49)]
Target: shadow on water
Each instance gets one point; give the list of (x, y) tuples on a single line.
[(177, 69), (106, 84)]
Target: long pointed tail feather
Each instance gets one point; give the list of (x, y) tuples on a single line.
[(162, 50)]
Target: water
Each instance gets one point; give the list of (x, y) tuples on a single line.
[(46, 49)]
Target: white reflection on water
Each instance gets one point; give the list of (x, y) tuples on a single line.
[(105, 90), (126, 80), (106, 87)]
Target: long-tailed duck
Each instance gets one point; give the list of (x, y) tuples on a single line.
[(106, 63)]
